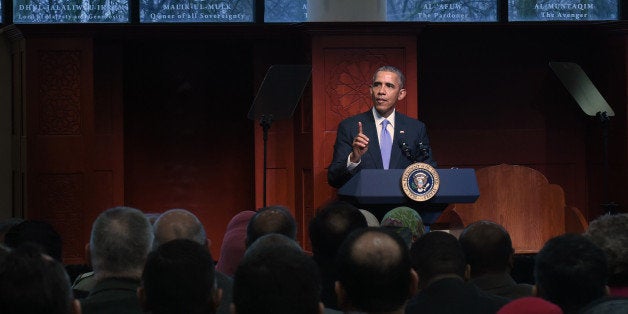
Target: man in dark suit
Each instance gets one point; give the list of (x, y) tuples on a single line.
[(488, 250), (439, 261), (359, 138)]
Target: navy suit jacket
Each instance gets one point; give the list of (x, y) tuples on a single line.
[(408, 130)]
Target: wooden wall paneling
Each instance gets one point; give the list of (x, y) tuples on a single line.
[(187, 140), (18, 131), (497, 101), (519, 198), (280, 164), (343, 67), (107, 158), (304, 183), (58, 102)]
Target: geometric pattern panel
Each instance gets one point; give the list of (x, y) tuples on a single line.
[(61, 203), (59, 92)]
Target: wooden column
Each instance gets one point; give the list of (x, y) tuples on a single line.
[(70, 164)]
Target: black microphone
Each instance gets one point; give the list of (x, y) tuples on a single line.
[(424, 152), (405, 149)]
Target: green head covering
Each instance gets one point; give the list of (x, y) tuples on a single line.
[(404, 217)]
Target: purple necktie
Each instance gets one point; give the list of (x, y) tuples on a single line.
[(385, 144)]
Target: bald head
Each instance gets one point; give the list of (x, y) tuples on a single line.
[(374, 271), (178, 224), (377, 249), (272, 219)]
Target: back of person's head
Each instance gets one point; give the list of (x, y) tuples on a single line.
[(487, 247), (37, 232), (120, 241), (32, 282), (234, 243), (6, 224), (437, 254), (570, 271), (331, 225), (406, 222), (610, 233), (271, 219), (276, 277), (374, 272), (178, 224), (179, 278)]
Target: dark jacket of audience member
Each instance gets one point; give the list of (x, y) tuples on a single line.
[(489, 252), (374, 272), (276, 277), (439, 261), (179, 278), (329, 227), (571, 272)]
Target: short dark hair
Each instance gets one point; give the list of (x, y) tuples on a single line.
[(31, 282), (437, 253), (390, 68), (276, 277), (487, 247), (179, 277), (331, 225), (376, 278), (271, 219), (570, 271), (37, 232), (610, 233)]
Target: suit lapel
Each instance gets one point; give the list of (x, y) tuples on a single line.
[(370, 130)]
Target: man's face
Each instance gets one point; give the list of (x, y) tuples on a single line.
[(386, 91)]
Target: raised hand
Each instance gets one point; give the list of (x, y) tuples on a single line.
[(360, 145)]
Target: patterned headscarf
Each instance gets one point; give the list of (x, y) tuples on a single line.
[(404, 217)]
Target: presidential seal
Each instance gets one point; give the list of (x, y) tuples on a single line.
[(420, 181)]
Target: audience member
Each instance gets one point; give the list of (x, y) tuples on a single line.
[(178, 224), (406, 222), (371, 220), (607, 305), (6, 224), (610, 233), (530, 305), (234, 243), (374, 272), (329, 227), (120, 241), (33, 282), (182, 224), (272, 219), (571, 272), (38, 232), (179, 278), (488, 250), (276, 277), (439, 261)]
